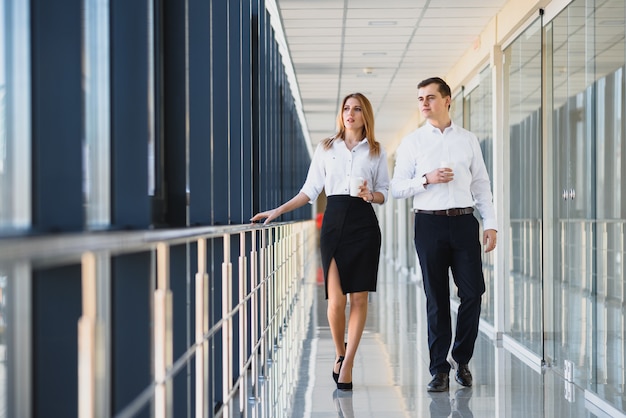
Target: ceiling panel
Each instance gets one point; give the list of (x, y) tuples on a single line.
[(379, 48)]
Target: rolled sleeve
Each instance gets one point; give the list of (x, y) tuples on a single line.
[(314, 183), (381, 178), (405, 182), (481, 188)]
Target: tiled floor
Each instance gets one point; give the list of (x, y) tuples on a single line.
[(391, 372)]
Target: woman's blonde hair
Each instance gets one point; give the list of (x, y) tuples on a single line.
[(368, 124)]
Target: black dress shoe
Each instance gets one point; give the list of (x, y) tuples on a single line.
[(439, 383), (463, 375)]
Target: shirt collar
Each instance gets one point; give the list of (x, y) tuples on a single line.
[(452, 127), (358, 144)]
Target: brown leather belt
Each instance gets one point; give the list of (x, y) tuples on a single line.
[(446, 212)]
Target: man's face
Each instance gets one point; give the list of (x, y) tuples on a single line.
[(431, 103)]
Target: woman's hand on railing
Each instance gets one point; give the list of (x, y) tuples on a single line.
[(268, 215), (297, 201)]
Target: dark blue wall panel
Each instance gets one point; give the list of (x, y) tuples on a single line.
[(220, 105), (131, 336), (175, 111), (56, 310), (130, 117), (57, 110), (200, 161)]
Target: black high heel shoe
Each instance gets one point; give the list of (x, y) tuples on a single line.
[(336, 375), (340, 361), (343, 386), (340, 385)]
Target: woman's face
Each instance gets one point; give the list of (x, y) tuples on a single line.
[(352, 114)]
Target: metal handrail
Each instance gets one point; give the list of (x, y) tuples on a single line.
[(69, 247)]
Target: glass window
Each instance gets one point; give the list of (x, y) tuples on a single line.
[(151, 102), (15, 161), (456, 109), (96, 144), (478, 108), (15, 212), (522, 75), (608, 191)]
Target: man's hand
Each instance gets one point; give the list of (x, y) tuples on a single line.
[(440, 175), (489, 239)]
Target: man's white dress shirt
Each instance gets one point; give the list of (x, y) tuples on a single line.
[(424, 150)]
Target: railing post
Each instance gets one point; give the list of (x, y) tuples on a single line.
[(254, 280), (243, 320), (263, 302), (227, 327), (271, 291), (93, 338), (19, 341), (202, 321), (163, 340)]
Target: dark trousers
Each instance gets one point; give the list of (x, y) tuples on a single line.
[(442, 243)]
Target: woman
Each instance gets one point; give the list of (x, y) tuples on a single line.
[(350, 236)]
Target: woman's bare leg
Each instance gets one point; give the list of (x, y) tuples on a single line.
[(336, 312), (356, 324)]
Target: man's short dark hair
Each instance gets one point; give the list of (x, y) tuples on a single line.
[(444, 88)]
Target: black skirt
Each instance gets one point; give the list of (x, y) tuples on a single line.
[(351, 235)]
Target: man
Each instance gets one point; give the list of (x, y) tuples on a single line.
[(441, 166)]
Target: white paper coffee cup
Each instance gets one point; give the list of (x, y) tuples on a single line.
[(355, 184)]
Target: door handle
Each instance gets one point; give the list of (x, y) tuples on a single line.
[(572, 194), (568, 194)]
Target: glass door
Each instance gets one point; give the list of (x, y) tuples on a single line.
[(586, 57), (573, 168)]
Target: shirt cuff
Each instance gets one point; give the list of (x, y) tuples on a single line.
[(490, 224)]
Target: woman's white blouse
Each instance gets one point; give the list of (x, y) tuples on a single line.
[(332, 169)]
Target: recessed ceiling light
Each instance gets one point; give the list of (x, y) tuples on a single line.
[(374, 54), (382, 23)]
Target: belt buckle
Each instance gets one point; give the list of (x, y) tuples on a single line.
[(450, 212)]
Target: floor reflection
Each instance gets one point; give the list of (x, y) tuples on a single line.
[(343, 403), (439, 405), (391, 371), (454, 404), (461, 403)]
